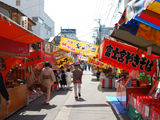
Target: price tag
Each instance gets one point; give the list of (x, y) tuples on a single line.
[(146, 111)]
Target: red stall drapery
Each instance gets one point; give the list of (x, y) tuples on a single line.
[(11, 47), (126, 57), (14, 41)]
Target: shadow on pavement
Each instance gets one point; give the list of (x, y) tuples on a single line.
[(34, 107), (88, 105), (81, 100), (105, 89), (94, 80), (27, 117), (119, 116), (40, 107)]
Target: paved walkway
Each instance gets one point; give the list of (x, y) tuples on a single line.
[(92, 106)]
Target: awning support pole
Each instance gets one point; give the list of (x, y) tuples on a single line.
[(157, 69)]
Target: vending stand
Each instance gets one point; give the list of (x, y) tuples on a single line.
[(33, 65), (129, 58), (143, 33), (14, 45)]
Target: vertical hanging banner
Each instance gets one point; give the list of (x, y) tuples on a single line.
[(79, 47), (127, 57), (24, 22)]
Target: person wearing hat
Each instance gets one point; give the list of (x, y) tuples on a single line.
[(47, 79), (77, 80)]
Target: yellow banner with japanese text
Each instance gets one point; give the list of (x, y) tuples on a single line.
[(96, 62), (79, 47), (64, 61)]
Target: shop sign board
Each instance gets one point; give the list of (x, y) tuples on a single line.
[(24, 22), (37, 57), (64, 61), (127, 57), (79, 47), (96, 62)]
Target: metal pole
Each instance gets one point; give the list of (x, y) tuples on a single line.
[(157, 69)]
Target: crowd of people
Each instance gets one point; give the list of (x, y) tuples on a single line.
[(63, 78)]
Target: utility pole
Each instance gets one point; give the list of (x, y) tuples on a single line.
[(98, 39), (99, 22)]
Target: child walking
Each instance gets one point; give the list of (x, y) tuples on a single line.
[(63, 81), (68, 78)]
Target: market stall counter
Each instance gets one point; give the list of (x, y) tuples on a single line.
[(18, 100), (123, 92)]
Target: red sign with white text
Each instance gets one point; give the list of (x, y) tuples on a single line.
[(127, 57), (37, 57)]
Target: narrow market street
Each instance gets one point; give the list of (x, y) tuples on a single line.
[(80, 60), (92, 106)]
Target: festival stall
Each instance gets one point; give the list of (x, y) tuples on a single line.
[(143, 32), (64, 62), (33, 65), (131, 59), (59, 53), (14, 45), (97, 67)]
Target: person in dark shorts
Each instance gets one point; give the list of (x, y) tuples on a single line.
[(63, 81)]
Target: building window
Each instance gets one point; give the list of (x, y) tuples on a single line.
[(47, 27), (35, 19), (40, 21), (18, 2)]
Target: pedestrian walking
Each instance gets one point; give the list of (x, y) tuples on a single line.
[(98, 73), (82, 65), (47, 79), (89, 66), (77, 80), (85, 65), (68, 78), (63, 81), (57, 79)]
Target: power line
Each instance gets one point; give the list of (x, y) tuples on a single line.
[(102, 8), (96, 9), (86, 27), (86, 34), (108, 13)]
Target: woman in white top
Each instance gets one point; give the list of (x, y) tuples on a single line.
[(68, 77)]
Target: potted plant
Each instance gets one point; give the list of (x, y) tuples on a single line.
[(144, 79)]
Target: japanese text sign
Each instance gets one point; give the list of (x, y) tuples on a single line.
[(96, 62), (79, 47), (37, 57), (64, 61), (126, 57)]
